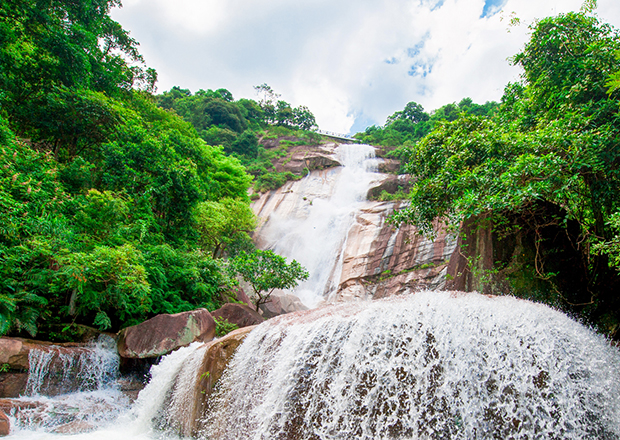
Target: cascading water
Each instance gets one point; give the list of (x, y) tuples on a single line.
[(433, 365), (83, 383), (58, 370), (161, 411), (313, 231)]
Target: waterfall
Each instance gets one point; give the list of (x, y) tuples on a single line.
[(58, 370), (70, 389), (164, 408), (433, 365), (313, 228)]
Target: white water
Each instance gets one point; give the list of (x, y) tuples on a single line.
[(434, 365), (314, 232), (429, 366), (75, 369), (107, 414)]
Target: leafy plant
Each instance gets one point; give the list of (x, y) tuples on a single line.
[(266, 271), (223, 327)]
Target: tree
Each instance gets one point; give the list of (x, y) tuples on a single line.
[(222, 222), (548, 160), (46, 45), (266, 271), (304, 118), (284, 114)]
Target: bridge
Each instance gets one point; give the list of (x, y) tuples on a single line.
[(340, 136)]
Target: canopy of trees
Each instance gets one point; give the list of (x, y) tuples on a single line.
[(547, 160), (237, 126), (406, 127), (112, 208)]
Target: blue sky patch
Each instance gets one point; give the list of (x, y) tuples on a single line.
[(420, 69), (492, 7)]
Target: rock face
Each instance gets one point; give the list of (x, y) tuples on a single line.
[(215, 358), (240, 314), (282, 303), (15, 352), (381, 260), (300, 159), (164, 333), (12, 384), (377, 259), (392, 184), (5, 424)]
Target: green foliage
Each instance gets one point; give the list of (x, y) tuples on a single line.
[(405, 128), (223, 327), (97, 200), (273, 180), (64, 48), (266, 271), (549, 157), (221, 223), (107, 282)]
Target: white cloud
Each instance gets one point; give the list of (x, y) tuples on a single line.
[(351, 63)]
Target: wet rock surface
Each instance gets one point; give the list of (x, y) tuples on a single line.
[(5, 424), (213, 361), (382, 260), (12, 384), (15, 351)]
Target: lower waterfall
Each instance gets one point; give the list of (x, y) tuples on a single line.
[(435, 365)]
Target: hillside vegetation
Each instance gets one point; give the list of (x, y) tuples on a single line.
[(113, 208), (542, 170)]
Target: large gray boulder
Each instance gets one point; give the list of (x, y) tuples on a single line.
[(280, 304), (164, 333)]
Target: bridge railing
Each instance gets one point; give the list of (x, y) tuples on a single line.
[(334, 134)]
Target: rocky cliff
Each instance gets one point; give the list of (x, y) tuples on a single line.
[(371, 258)]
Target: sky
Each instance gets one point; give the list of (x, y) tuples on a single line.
[(352, 62)]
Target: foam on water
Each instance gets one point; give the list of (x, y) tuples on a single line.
[(106, 412), (433, 365)]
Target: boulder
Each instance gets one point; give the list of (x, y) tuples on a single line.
[(164, 333), (282, 303), (12, 384), (215, 358), (389, 166), (5, 424), (240, 314), (243, 297), (14, 352), (391, 185)]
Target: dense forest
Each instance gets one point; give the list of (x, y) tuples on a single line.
[(115, 203), (542, 170)]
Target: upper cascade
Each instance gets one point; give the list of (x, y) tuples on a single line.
[(345, 241), (309, 220)]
